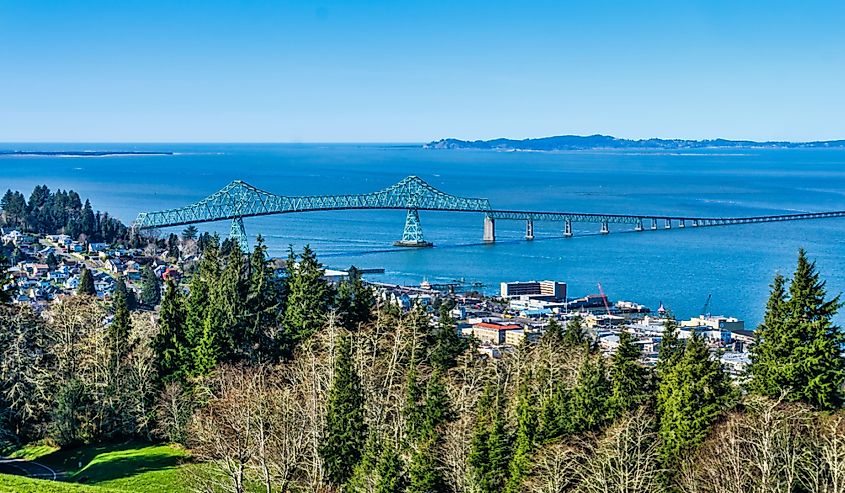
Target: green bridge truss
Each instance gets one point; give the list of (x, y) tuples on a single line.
[(239, 200)]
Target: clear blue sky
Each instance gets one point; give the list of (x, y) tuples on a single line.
[(411, 71)]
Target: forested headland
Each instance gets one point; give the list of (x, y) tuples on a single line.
[(288, 383)]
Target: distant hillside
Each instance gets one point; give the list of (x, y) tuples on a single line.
[(579, 142)]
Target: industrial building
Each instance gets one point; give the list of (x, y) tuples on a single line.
[(552, 289)]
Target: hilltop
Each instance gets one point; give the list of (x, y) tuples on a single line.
[(581, 142)]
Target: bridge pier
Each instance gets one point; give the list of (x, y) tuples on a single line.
[(654, 224), (682, 223), (639, 226), (529, 229), (489, 229), (238, 234), (605, 228), (567, 228), (668, 224), (412, 236)]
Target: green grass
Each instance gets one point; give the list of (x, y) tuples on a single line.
[(33, 451), (18, 484), (133, 466)]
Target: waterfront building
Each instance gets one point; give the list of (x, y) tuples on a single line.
[(552, 289)]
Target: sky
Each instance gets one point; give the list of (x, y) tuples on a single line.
[(419, 70)]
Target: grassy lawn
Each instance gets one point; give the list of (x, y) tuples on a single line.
[(17, 484), (134, 466)]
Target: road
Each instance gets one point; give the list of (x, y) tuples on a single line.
[(32, 469)]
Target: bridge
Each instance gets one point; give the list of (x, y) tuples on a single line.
[(239, 200)]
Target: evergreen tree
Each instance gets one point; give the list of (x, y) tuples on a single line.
[(489, 446), (150, 287), (51, 261), (553, 335), (129, 295), (86, 283), (575, 334), (526, 421), (264, 301), (119, 330), (6, 284), (308, 297), (590, 396), (173, 246), (345, 430), (445, 345), (390, 472), (202, 352), (692, 394), (169, 343), (671, 348), (555, 415), (354, 301), (189, 233), (628, 377), (424, 475), (799, 349), (229, 310)]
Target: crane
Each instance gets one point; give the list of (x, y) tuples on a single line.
[(705, 309), (604, 299)]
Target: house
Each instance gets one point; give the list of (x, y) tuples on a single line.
[(36, 270), (97, 247), (115, 265)]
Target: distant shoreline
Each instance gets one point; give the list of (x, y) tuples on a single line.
[(84, 153), (606, 142)]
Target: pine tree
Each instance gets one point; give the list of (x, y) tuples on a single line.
[(526, 418), (628, 377), (86, 283), (390, 471), (671, 348), (693, 393), (169, 343), (445, 345), (119, 330), (354, 301), (575, 334), (264, 300), (199, 342), (51, 260), (799, 349), (189, 233), (490, 445), (150, 287), (345, 430), (308, 297), (5, 281), (424, 475), (590, 396), (129, 295), (553, 335), (768, 350)]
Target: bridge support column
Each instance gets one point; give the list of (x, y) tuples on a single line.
[(605, 228), (567, 228), (668, 224), (695, 223), (412, 236), (529, 229), (654, 224), (639, 226), (682, 223), (489, 229), (238, 234)]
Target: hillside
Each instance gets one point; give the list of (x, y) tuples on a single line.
[(579, 142)]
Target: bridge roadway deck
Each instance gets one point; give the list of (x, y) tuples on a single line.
[(638, 219)]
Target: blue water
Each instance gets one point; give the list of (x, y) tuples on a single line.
[(678, 267)]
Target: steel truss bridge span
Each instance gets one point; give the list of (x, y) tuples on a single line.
[(239, 200)]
